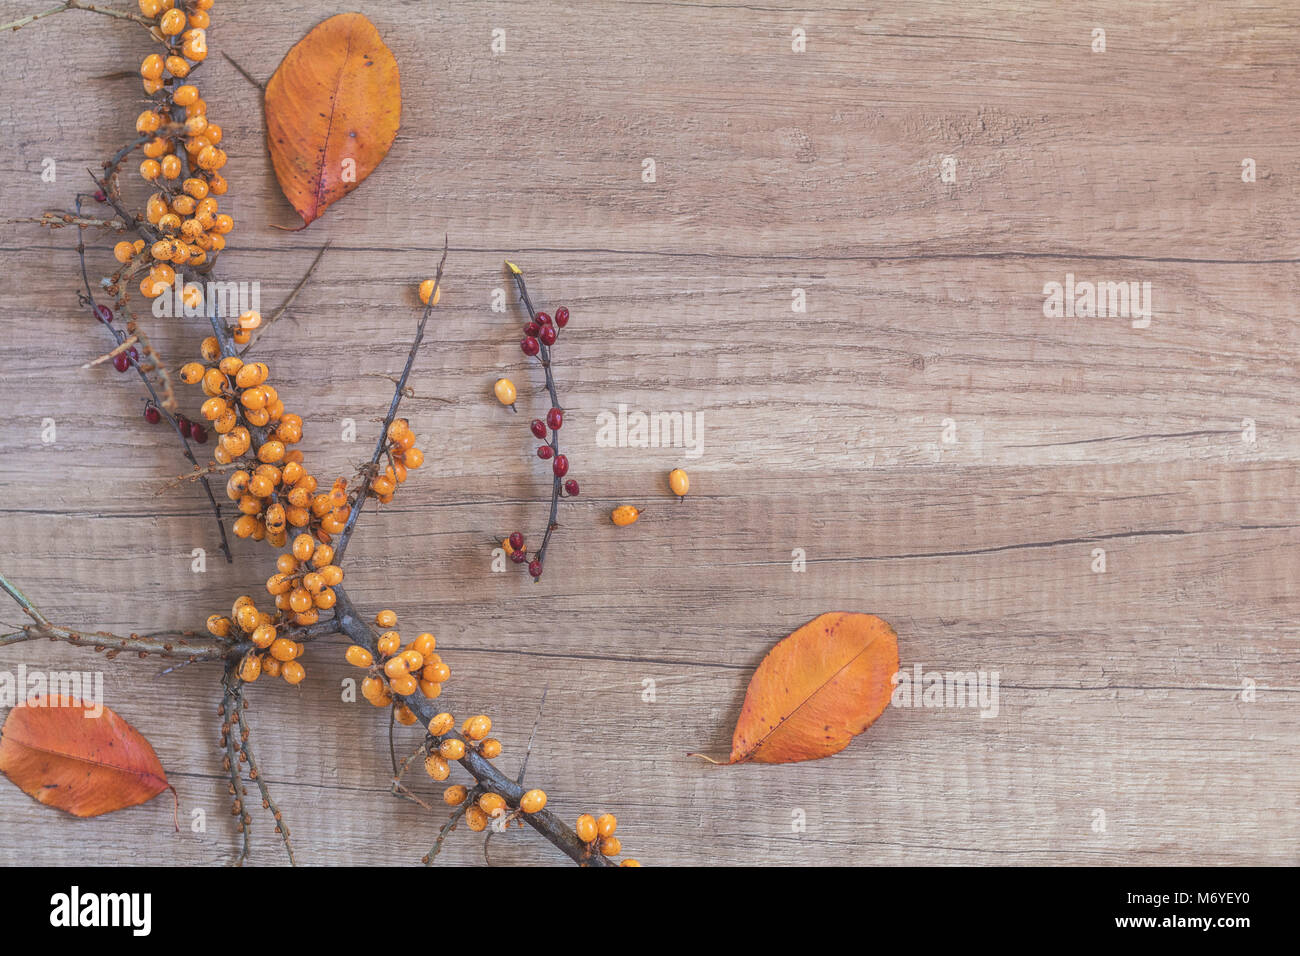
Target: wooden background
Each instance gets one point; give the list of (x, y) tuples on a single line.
[(776, 170)]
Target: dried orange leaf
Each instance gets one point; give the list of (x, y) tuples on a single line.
[(87, 765), (817, 690), (332, 111)]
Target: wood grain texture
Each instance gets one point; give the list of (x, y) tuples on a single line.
[(823, 431)]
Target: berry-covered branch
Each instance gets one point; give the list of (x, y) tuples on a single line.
[(540, 333), (179, 235)]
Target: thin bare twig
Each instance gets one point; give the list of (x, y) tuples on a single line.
[(342, 543), (75, 5), (287, 302)]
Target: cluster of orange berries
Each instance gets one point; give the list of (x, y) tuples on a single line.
[(475, 732), (277, 493), (271, 654), (304, 580), (405, 456), (183, 154), (490, 805), (400, 671), (598, 832)]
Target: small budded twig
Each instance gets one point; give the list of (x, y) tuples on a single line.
[(540, 330), (284, 306), (255, 774)]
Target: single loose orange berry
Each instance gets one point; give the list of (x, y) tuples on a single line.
[(624, 515), (679, 482), (532, 801), (505, 391)]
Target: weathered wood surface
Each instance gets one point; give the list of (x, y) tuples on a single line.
[(824, 431)]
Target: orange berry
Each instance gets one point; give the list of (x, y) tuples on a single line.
[(424, 644), (436, 767), (492, 803), (386, 618), (606, 824), (586, 828), (293, 672), (427, 289), (389, 643), (439, 724), (358, 656), (532, 801), (283, 649), (476, 819), (250, 668), (454, 795), (611, 846), (629, 861), (476, 728), (406, 685), (625, 515), (452, 749), (490, 748)]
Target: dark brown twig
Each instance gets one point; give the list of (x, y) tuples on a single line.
[(544, 356), (399, 390)]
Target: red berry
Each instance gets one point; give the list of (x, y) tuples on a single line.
[(555, 418), (185, 426), (529, 345), (535, 568), (516, 541), (198, 433), (532, 328), (545, 451), (560, 466), (104, 314), (518, 557), (99, 196), (571, 487), (547, 335), (121, 361), (539, 427), (561, 316), (543, 318), (152, 415)]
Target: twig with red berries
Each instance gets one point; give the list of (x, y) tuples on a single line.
[(541, 333)]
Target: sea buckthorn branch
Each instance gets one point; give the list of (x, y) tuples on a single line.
[(399, 391), (480, 768), (540, 334), (76, 5), (170, 644), (105, 316), (234, 705)]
